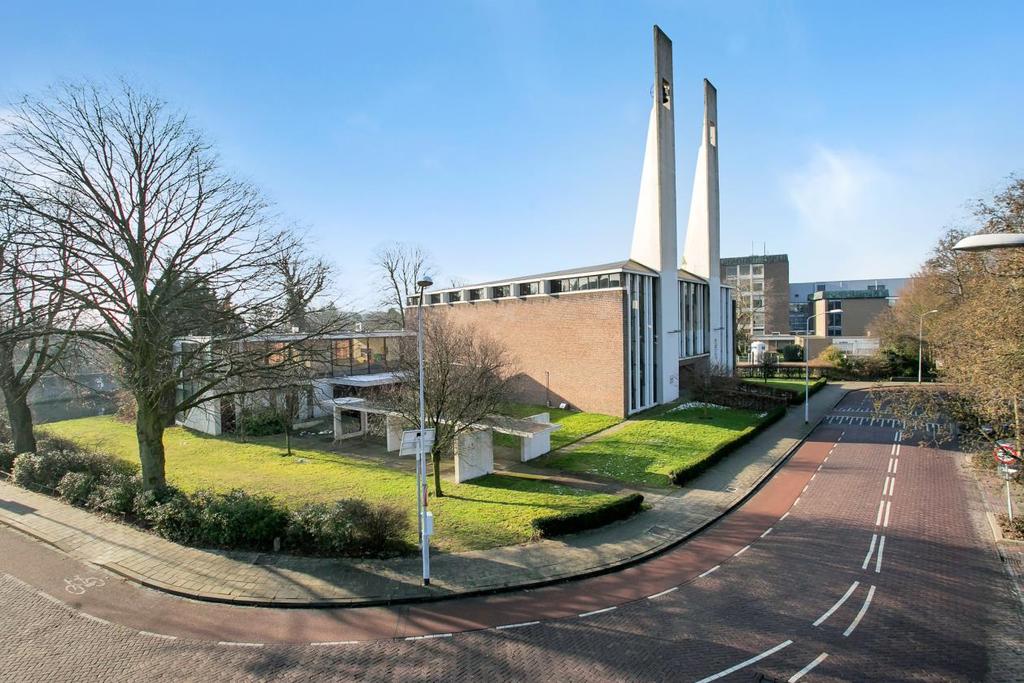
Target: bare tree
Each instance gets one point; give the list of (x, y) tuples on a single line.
[(466, 379), (32, 318), (400, 266), (140, 199)]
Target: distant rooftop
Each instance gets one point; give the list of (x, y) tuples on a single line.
[(749, 260), (617, 266), (881, 293)]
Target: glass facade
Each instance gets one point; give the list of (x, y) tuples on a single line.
[(642, 370), (363, 355), (580, 284), (693, 319)]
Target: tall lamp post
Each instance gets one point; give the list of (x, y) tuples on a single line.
[(421, 460), (807, 364), (920, 342)]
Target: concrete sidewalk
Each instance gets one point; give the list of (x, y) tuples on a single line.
[(269, 579)]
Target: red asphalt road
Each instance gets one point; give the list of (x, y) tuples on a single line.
[(124, 603)]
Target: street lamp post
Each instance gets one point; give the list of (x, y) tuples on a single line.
[(997, 240), (421, 460), (807, 363), (920, 342)]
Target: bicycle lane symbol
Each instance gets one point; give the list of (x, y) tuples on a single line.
[(77, 585)]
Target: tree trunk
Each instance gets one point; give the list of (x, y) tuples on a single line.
[(22, 437), (149, 427), (435, 458)]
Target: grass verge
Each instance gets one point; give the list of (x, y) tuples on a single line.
[(488, 512), (575, 425), (654, 449)]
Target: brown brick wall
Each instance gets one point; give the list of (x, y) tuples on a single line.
[(577, 338)]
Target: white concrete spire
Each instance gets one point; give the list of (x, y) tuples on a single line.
[(701, 253), (654, 231)]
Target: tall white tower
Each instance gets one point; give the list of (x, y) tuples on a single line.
[(701, 253), (654, 232)]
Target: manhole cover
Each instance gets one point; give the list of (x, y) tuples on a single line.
[(661, 531)]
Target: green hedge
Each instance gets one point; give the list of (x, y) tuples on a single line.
[(816, 386), (684, 474), (573, 522)]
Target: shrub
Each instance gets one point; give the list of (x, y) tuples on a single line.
[(263, 423), (116, 494), (573, 522), (791, 353), (76, 487), (348, 527), (7, 455), (231, 520), (43, 470)]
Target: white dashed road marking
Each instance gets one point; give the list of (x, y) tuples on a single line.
[(878, 562), (157, 635), (597, 611), (871, 550), (861, 613), (807, 669), (839, 603), (756, 658), (888, 507), (881, 510), (766, 532), (234, 644), (428, 637), (664, 592), (709, 571), (522, 624)]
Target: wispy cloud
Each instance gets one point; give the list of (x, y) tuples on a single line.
[(835, 189)]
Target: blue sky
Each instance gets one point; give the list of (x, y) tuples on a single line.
[(507, 137)]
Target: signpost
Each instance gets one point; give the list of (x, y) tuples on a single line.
[(419, 442), (1006, 455)]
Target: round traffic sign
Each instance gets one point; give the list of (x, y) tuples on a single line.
[(1005, 453)]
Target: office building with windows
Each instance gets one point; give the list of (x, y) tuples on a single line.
[(621, 337), (801, 293), (761, 287)]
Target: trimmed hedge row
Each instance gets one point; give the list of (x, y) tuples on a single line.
[(798, 395), (236, 520), (684, 474), (574, 522)]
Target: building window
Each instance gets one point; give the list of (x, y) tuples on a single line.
[(476, 294), (743, 270), (341, 361), (819, 288), (435, 298), (757, 270), (528, 288), (501, 291), (454, 296)]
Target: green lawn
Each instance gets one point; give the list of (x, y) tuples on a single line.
[(488, 512), (647, 449), (575, 425), (794, 386)]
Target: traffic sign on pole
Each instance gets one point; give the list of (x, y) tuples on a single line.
[(1005, 453)]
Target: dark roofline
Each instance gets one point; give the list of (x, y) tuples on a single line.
[(882, 293), (751, 260), (617, 266)]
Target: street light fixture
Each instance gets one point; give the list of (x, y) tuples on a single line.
[(421, 460), (807, 363), (985, 242), (920, 341)]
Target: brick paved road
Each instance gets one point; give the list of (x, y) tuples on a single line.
[(938, 600)]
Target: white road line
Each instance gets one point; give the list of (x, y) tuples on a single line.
[(814, 475), (889, 470), (234, 644), (871, 550), (807, 669), (898, 446), (861, 613), (664, 592), (597, 611), (892, 487), (892, 451), (428, 637), (326, 643), (531, 623), (157, 635), (741, 551), (878, 562), (881, 509), (92, 618), (796, 501), (888, 507), (766, 532), (895, 465), (756, 658), (709, 571), (805, 489), (821, 465), (839, 603), (885, 486), (783, 516)]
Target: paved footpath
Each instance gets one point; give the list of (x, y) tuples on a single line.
[(863, 558), (275, 579)]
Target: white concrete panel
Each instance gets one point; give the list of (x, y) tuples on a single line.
[(204, 418), (531, 447), (474, 454)]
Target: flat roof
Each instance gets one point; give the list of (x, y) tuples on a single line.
[(628, 265), (750, 260), (882, 293)]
